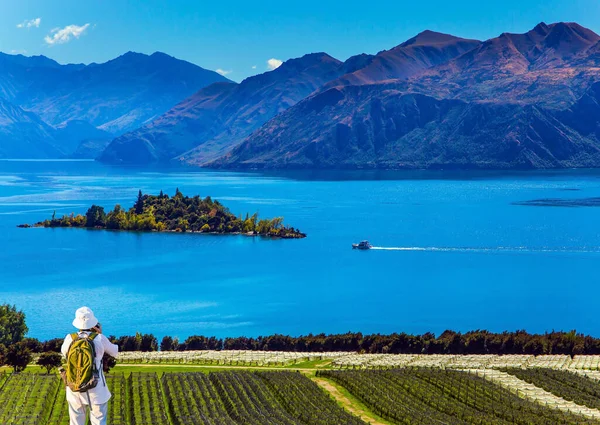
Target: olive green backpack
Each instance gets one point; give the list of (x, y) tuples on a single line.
[(81, 373)]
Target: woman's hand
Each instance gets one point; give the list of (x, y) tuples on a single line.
[(97, 328)]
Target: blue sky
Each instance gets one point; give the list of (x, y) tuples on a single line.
[(239, 37)]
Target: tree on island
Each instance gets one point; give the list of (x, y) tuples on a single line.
[(139, 204), (50, 361), (116, 219), (95, 217)]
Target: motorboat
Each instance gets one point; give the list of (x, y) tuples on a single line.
[(362, 245)]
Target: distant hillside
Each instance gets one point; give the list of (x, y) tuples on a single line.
[(72, 133), (24, 135), (516, 101), (89, 148), (220, 116), (114, 97)]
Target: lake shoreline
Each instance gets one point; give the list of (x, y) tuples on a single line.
[(249, 234)]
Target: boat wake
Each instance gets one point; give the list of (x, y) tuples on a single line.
[(490, 249)]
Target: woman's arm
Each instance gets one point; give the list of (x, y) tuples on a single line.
[(109, 348), (66, 344)]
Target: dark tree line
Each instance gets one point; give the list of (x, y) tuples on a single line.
[(16, 350), (449, 342)]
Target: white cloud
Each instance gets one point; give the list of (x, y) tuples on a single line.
[(31, 23), (64, 35), (273, 63), (253, 66), (223, 72)]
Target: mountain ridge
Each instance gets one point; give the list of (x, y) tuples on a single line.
[(503, 104), (208, 124), (113, 97), (219, 115), (426, 49), (119, 94)]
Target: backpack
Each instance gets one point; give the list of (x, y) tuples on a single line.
[(81, 372)]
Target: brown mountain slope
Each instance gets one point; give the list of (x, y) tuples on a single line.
[(385, 128), (423, 51), (542, 66)]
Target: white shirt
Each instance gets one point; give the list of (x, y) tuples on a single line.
[(100, 394)]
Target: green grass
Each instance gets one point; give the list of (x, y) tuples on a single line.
[(312, 364), (403, 396), (162, 368), (570, 386), (27, 398), (28, 369), (355, 402), (426, 395)]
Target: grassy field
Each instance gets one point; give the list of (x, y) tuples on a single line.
[(564, 384), (305, 393), (429, 395)]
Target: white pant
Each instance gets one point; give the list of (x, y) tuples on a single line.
[(98, 414)]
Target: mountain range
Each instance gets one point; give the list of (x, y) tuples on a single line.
[(522, 101), (205, 125), (509, 102)]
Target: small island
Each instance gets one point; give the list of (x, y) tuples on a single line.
[(179, 213)]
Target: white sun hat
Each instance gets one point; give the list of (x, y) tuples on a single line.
[(84, 318)]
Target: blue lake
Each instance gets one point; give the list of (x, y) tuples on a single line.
[(458, 253)]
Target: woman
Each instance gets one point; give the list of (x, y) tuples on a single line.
[(95, 398)]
